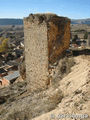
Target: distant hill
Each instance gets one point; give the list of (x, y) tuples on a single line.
[(11, 21), (20, 21), (80, 21)]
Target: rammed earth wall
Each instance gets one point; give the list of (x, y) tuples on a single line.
[(47, 36)]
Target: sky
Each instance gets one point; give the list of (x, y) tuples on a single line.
[(74, 9)]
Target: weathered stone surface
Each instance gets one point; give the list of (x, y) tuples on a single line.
[(36, 53), (47, 36), (58, 37)]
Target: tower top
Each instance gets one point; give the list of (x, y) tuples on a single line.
[(45, 17)]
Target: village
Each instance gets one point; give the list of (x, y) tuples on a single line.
[(11, 58), (80, 36)]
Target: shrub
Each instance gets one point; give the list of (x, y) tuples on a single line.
[(86, 35), (4, 44)]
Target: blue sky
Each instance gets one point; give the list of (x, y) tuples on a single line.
[(75, 9)]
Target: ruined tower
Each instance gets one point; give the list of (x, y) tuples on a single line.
[(47, 36)]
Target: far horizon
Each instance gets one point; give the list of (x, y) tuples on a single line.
[(57, 14), (73, 9)]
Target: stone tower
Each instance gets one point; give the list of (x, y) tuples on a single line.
[(47, 36)]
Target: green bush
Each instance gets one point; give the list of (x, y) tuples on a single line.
[(4, 44), (75, 38)]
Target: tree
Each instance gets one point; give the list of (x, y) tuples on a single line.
[(4, 44), (86, 35), (75, 38)]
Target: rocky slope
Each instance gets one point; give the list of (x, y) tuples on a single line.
[(17, 103), (69, 93), (76, 90)]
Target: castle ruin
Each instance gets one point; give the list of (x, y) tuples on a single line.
[(47, 36)]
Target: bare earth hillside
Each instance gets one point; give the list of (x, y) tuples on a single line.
[(76, 89), (68, 95)]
